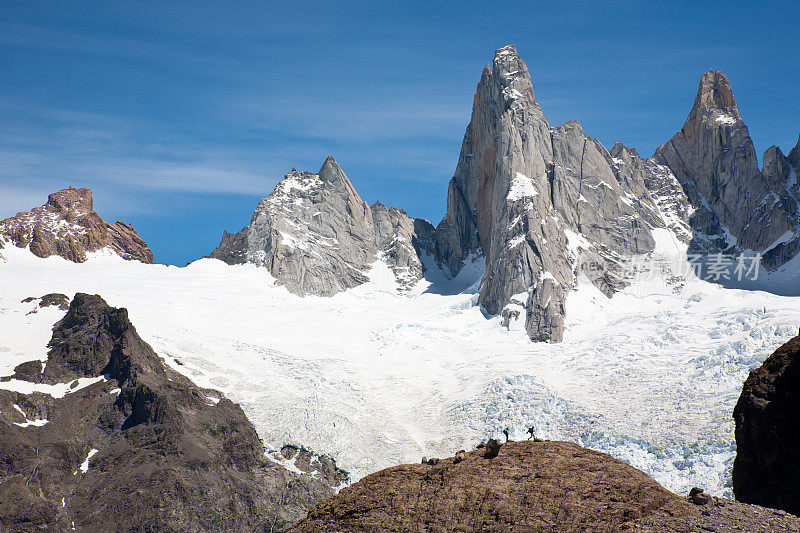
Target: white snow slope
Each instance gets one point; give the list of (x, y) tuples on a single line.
[(374, 378)]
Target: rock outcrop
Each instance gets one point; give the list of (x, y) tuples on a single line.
[(528, 486), (767, 466), (68, 227), (317, 236), (108, 438)]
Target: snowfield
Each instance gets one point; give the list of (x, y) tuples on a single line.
[(375, 378)]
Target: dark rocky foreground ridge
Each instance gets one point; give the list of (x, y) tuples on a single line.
[(137, 448), (67, 226), (530, 486), (767, 466), (542, 205)]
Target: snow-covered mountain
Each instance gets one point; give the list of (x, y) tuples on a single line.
[(375, 338)]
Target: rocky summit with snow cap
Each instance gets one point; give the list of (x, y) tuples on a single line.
[(544, 206), (317, 236), (67, 226)]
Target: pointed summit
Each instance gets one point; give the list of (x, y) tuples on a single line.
[(317, 236), (714, 159), (775, 168), (510, 74), (714, 101), (330, 170), (794, 155), (332, 173), (715, 91)]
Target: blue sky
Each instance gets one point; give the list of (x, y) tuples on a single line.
[(182, 115)]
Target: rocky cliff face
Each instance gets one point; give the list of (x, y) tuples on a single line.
[(528, 486), (68, 227), (781, 174), (735, 206), (542, 204), (317, 236), (105, 437), (767, 467)]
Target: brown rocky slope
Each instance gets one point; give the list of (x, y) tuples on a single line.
[(128, 444), (67, 226), (529, 486), (767, 466)]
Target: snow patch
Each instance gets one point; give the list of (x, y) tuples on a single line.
[(34, 423), (521, 187), (59, 390), (85, 464)]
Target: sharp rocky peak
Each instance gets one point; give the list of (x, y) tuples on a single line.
[(331, 171), (794, 155), (714, 104), (509, 72), (715, 91), (317, 236)]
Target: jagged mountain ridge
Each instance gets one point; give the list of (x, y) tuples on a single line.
[(537, 202), (316, 235), (543, 205), (736, 206)]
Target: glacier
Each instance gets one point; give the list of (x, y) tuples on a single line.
[(376, 376)]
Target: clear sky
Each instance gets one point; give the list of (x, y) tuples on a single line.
[(182, 115)]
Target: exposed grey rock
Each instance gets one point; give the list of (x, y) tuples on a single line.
[(232, 248), (714, 159), (317, 236), (402, 241), (660, 184), (541, 204)]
